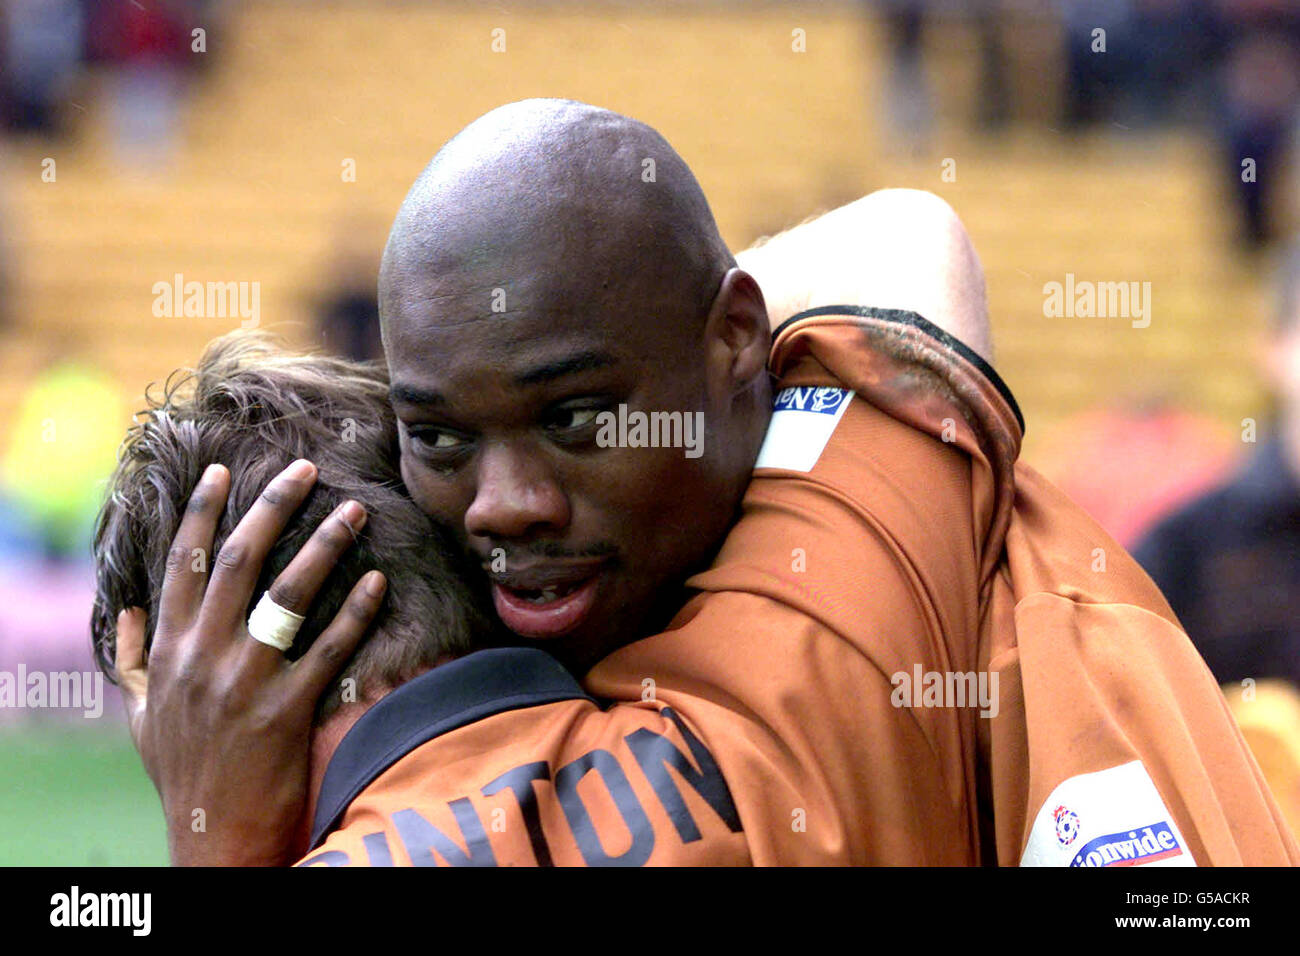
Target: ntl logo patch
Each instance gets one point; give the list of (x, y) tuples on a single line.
[(821, 400), (1157, 842), (803, 419)]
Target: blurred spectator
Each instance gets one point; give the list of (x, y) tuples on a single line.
[(1229, 562), (1171, 42), (993, 102), (1141, 63), (41, 54), (149, 49), (348, 318), (1232, 63), (1258, 86), (907, 108), (1097, 66), (347, 315), (1115, 462), (908, 105)]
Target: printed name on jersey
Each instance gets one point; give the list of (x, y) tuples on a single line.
[(426, 839), (1157, 842), (1112, 817), (803, 420)]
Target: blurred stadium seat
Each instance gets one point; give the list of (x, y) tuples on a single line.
[(774, 135)]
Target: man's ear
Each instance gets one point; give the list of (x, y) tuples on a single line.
[(736, 333)]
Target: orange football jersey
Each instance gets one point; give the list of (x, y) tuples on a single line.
[(901, 654)]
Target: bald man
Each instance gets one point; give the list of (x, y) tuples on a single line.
[(557, 263), (586, 243)]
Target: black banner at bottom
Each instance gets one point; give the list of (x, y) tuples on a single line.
[(243, 906)]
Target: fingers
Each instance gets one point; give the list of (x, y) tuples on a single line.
[(183, 584), (297, 585), (299, 582), (313, 672), (237, 565), (128, 658), (132, 675)]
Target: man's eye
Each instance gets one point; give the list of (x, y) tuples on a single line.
[(436, 439), (565, 419)]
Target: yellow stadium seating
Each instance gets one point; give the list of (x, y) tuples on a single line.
[(1269, 717), (256, 192)]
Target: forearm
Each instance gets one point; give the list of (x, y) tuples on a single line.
[(893, 249)]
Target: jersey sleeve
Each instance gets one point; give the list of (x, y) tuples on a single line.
[(849, 586), (1115, 746)]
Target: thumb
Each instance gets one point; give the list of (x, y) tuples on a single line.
[(132, 673)]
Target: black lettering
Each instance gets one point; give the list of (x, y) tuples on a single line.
[(421, 838), (328, 858), (377, 849), (584, 831), (656, 753), (520, 781)]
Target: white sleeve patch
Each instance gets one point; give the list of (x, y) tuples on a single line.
[(803, 420), (1113, 817)]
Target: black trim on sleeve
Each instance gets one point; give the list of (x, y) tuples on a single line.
[(461, 692), (907, 317)]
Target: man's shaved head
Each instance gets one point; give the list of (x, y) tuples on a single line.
[(555, 262), (539, 185)]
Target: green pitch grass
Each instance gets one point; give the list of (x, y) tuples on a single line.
[(76, 797)]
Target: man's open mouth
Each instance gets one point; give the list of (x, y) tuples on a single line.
[(548, 609), (544, 595)]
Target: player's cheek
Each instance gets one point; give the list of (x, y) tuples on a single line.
[(442, 499), (664, 504)]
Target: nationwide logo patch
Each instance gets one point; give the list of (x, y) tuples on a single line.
[(1105, 818), (1151, 843), (803, 419)]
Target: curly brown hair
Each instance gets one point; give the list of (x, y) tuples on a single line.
[(255, 406)]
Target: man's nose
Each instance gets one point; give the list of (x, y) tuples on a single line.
[(517, 494)]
